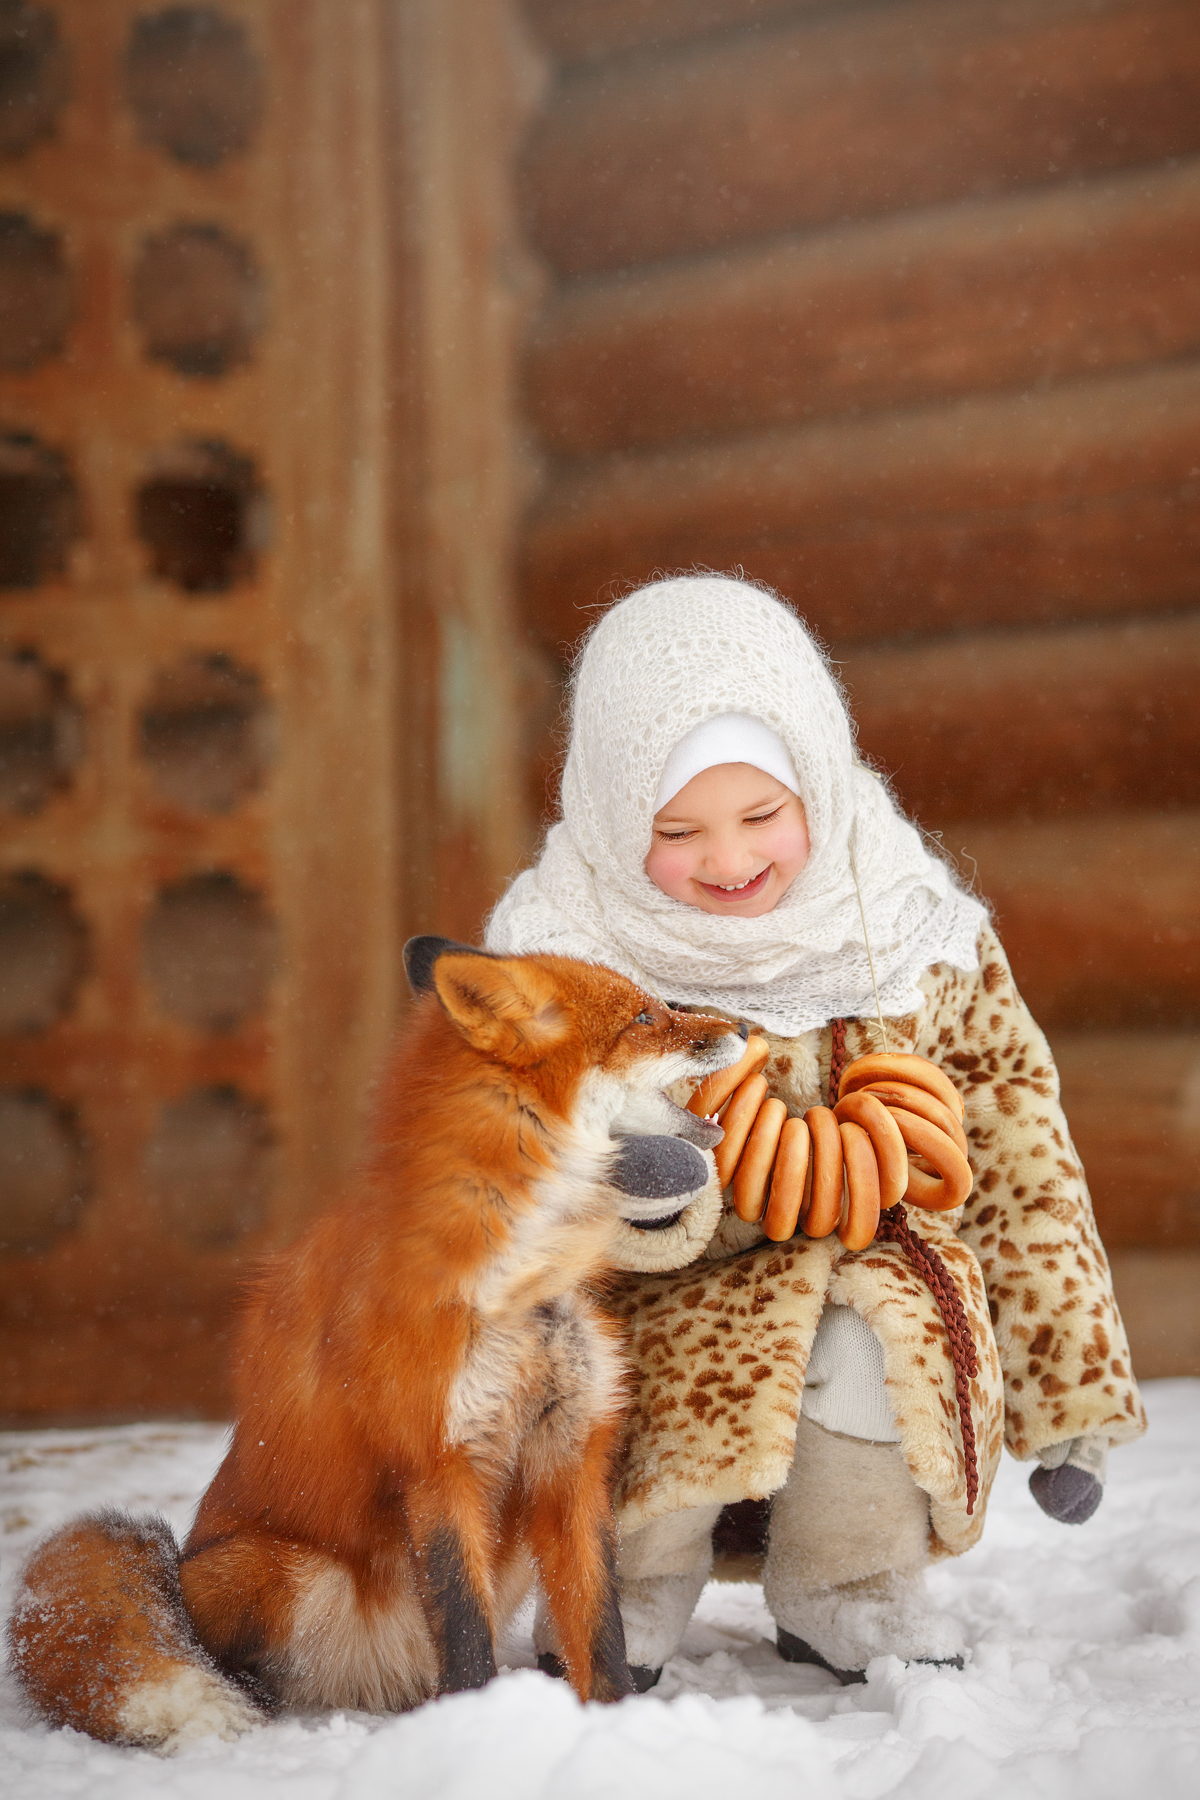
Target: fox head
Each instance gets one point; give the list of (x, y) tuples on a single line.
[(588, 1040)]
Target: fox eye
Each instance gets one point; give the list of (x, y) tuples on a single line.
[(644, 1018)]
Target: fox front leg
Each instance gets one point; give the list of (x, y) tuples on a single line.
[(461, 1631), (448, 1530), (571, 1533)]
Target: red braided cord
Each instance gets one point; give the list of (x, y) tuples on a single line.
[(894, 1227), (837, 1057)]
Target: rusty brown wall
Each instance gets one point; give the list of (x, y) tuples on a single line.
[(257, 720)]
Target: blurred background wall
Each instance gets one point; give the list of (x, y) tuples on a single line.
[(353, 351)]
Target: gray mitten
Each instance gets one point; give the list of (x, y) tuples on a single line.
[(1070, 1483), (655, 1175)]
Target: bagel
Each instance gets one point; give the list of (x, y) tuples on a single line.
[(920, 1101), (737, 1120), (919, 1070), (860, 1219), (825, 1203), (714, 1090), (789, 1181), (754, 1165), (952, 1183), (891, 1154)]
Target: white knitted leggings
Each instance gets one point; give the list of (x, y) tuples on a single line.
[(843, 1384)]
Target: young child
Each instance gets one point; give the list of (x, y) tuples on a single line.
[(714, 821)]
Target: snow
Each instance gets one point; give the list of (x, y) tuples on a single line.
[(1083, 1682)]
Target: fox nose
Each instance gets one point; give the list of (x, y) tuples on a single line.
[(743, 1030)]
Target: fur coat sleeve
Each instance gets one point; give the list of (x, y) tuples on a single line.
[(1029, 1219), (719, 1346)]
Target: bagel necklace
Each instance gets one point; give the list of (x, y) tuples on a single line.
[(891, 1133)]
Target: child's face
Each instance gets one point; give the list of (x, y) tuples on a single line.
[(732, 841)]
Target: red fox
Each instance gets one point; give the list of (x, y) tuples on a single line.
[(427, 1396)]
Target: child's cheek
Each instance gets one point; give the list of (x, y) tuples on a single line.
[(669, 866), (787, 847)]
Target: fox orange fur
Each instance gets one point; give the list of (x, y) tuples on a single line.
[(427, 1395)]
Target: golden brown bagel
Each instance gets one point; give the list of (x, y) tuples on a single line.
[(860, 1220), (714, 1090), (862, 1108), (789, 1179), (825, 1206), (953, 1181), (919, 1070), (737, 1120), (920, 1101), (756, 1161)]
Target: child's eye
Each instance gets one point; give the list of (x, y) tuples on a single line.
[(673, 837), (765, 818)]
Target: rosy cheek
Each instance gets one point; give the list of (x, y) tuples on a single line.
[(789, 846), (668, 866)]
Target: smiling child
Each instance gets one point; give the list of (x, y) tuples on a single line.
[(718, 837)]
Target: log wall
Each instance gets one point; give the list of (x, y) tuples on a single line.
[(897, 307)]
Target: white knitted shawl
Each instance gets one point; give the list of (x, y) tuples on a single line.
[(658, 663)]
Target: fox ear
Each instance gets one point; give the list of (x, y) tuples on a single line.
[(420, 954), (506, 1006)]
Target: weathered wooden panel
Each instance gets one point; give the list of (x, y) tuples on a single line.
[(587, 30), (210, 1069), (1098, 914), (1133, 1102), (1078, 502), (860, 113), (460, 83), (988, 294), (1009, 724)]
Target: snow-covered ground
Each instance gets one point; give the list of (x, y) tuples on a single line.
[(1084, 1682)]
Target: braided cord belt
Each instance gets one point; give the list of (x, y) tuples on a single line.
[(894, 1228)]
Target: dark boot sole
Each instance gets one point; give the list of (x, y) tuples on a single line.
[(642, 1678), (795, 1650)]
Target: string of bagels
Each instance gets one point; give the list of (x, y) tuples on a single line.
[(891, 1135), (893, 1132)]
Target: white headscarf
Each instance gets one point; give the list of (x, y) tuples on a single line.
[(658, 664)]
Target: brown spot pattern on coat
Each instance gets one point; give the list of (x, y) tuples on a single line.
[(719, 1350)]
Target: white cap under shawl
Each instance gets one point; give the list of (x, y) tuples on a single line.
[(726, 738), (659, 663)]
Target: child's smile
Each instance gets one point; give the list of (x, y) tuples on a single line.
[(732, 841)]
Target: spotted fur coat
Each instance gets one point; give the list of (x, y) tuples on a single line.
[(720, 1321)]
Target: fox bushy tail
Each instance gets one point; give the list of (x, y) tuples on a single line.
[(100, 1639)]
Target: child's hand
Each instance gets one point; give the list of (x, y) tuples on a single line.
[(651, 1171), (1070, 1483)]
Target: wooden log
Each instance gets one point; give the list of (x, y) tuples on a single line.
[(1156, 1291), (1098, 914), (588, 30), (1133, 1103), (859, 113), (1030, 288), (1007, 724), (1080, 502)]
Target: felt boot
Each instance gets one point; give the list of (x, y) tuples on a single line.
[(844, 1572)]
